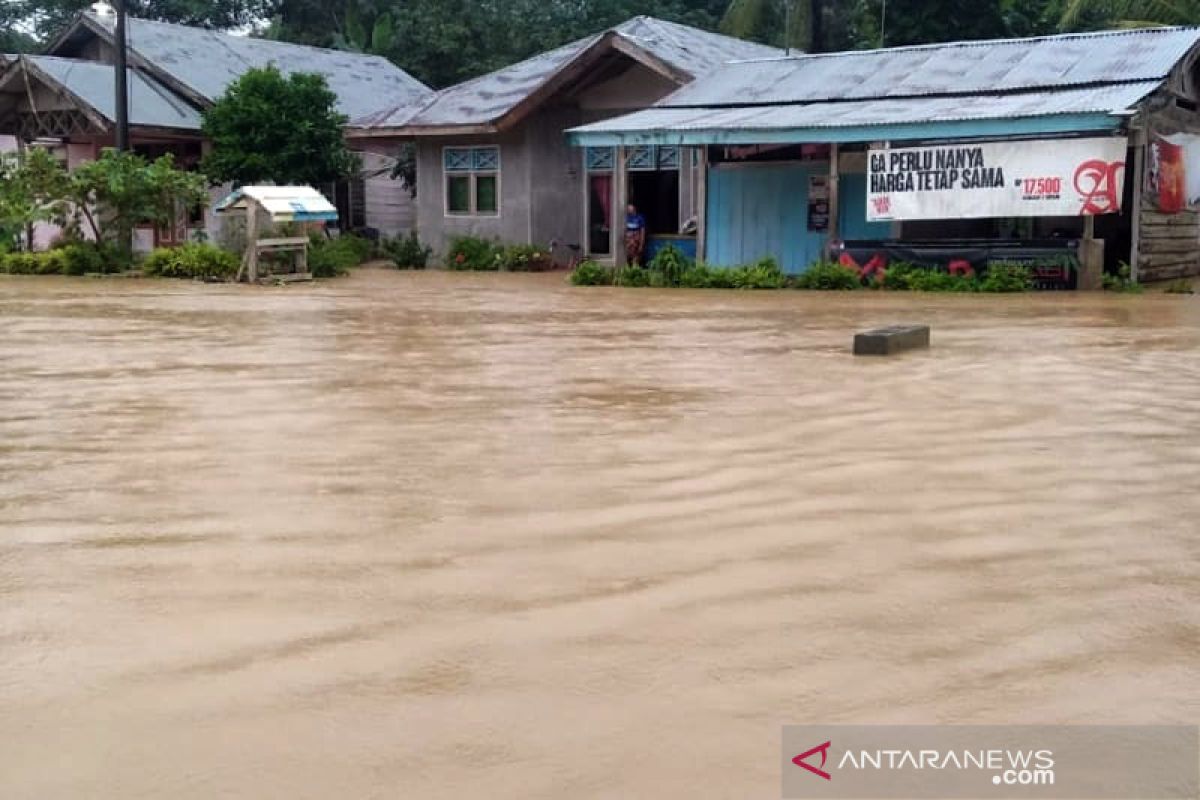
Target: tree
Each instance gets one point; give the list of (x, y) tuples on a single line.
[(272, 128), (51, 16), (442, 42), (121, 189), (33, 188), (1091, 14)]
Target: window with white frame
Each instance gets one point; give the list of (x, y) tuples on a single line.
[(472, 180)]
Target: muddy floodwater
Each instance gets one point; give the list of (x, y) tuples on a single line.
[(435, 535)]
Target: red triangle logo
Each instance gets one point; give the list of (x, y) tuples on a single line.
[(823, 749)]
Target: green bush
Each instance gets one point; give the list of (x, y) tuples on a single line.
[(523, 258), (671, 264), (1122, 281), (1003, 276), (81, 258), (933, 280), (72, 259), (632, 276), (473, 253), (406, 252), (589, 273), (701, 276), (1181, 286), (765, 274), (21, 263), (191, 260), (827, 276), (328, 258), (897, 275)]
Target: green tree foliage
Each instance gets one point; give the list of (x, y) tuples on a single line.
[(442, 42), (33, 188), (272, 128), (1089, 14), (50, 16), (120, 190)]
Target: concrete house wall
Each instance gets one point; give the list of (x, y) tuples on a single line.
[(541, 175), (512, 224)]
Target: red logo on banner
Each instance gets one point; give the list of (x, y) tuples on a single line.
[(1096, 182), (823, 749), (883, 205)]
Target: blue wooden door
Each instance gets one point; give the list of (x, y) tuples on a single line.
[(761, 210)]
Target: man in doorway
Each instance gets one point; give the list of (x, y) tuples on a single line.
[(635, 235)]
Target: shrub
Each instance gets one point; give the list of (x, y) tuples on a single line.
[(1181, 286), (932, 280), (192, 260), (700, 276), (406, 252), (328, 258), (21, 263), (1122, 281), (897, 275), (523, 258), (631, 276), (80, 258), (765, 274), (671, 263), (473, 253), (589, 273), (1003, 276), (72, 259), (825, 276)]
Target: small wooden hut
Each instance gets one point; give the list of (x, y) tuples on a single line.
[(279, 204)]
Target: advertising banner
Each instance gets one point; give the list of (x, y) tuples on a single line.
[(1041, 178), (1173, 173)]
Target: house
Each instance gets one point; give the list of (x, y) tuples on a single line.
[(493, 161), (64, 99), (1067, 153)]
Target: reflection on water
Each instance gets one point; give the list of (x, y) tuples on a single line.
[(442, 535)]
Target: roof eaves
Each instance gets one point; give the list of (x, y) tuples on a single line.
[(94, 115), (1053, 87)]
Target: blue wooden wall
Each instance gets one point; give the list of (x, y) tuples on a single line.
[(762, 210)]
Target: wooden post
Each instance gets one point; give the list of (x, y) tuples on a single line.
[(832, 234), (620, 200), (702, 205), (1091, 257), (251, 240), (1135, 221)]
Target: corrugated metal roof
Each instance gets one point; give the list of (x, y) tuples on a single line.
[(719, 123), (483, 100), (956, 68), (208, 61), (150, 103), (283, 203)]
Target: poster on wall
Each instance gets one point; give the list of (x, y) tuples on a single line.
[(1041, 178), (1173, 173), (818, 203)]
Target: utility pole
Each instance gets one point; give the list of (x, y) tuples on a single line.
[(816, 27), (122, 87)]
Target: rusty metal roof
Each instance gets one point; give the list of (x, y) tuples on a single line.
[(483, 100), (207, 61), (944, 69)]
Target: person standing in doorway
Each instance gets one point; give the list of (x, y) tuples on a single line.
[(635, 235)]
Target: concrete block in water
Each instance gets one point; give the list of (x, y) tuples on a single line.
[(892, 339)]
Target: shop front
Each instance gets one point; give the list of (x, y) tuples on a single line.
[(1042, 161)]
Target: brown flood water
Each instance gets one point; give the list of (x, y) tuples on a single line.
[(444, 536)]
